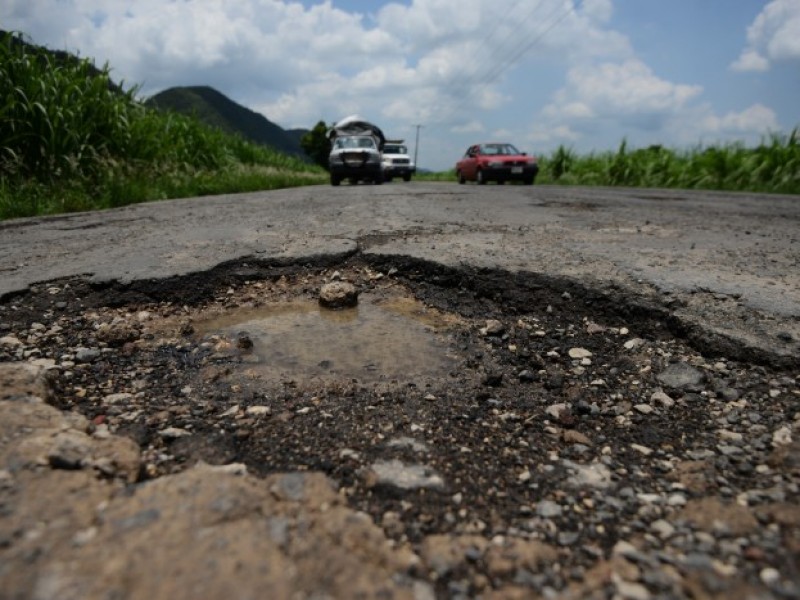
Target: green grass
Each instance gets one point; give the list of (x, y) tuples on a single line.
[(773, 166), (437, 176)]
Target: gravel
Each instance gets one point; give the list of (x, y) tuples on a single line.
[(578, 448)]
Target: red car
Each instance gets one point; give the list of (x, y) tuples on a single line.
[(498, 162)]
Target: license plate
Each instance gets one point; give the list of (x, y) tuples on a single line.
[(516, 170)]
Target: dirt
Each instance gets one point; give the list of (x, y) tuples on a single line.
[(559, 422)]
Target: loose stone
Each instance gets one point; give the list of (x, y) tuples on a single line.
[(681, 376), (338, 294), (397, 474)]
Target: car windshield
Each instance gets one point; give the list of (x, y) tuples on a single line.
[(354, 142), (498, 149), (387, 149)]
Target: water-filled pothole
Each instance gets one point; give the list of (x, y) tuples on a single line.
[(382, 339)]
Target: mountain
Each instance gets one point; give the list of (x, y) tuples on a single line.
[(216, 109), (204, 102), (296, 134)]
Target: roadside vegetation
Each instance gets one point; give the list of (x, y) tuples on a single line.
[(772, 167), (72, 140)]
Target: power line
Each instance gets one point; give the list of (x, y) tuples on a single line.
[(484, 66), (524, 48), (478, 80)]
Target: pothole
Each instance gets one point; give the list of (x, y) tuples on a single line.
[(393, 339), (559, 414)]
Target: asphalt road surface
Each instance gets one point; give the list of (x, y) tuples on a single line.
[(599, 399), (727, 263)]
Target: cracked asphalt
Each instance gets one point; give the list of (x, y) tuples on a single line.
[(614, 412), (723, 263)]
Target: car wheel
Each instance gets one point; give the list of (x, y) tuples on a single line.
[(528, 181), (335, 180), (406, 177), (481, 177), (461, 179), (378, 181), (388, 179)]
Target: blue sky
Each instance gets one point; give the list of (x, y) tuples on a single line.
[(585, 74)]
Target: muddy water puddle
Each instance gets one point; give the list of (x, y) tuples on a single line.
[(394, 339)]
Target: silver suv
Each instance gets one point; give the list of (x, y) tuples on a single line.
[(355, 155)]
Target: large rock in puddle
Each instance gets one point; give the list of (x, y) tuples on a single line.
[(338, 294)]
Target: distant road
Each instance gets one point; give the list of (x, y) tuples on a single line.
[(744, 248)]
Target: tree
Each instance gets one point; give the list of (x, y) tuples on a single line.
[(316, 144)]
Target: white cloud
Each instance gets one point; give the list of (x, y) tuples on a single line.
[(631, 101), (702, 124), (543, 136), (502, 134), (757, 119), (774, 36), (429, 23), (599, 11), (299, 63), (623, 90), (449, 57), (569, 109), (750, 60), (471, 127)]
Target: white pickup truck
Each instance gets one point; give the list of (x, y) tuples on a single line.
[(356, 147), (396, 161)]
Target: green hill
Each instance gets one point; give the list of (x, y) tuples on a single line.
[(214, 108), (207, 104), (296, 134)]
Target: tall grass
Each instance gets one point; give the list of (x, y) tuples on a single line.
[(70, 139), (772, 166)]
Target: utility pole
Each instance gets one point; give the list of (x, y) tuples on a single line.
[(416, 147)]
